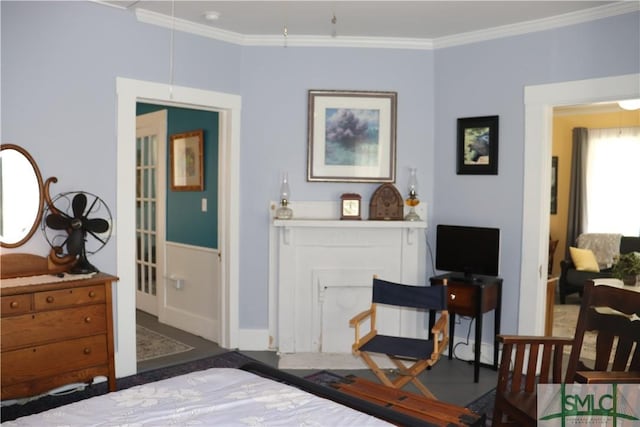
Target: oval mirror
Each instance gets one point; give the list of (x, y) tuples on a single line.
[(21, 196)]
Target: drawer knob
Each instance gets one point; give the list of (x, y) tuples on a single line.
[(92, 294), (87, 350), (453, 296), (87, 319), (50, 299), (14, 304)]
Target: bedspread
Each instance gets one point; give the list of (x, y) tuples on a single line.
[(214, 397)]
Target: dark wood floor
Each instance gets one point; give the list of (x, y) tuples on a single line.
[(450, 380)]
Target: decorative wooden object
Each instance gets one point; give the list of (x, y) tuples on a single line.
[(54, 333), (386, 204)]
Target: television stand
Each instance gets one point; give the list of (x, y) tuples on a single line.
[(465, 278), (472, 298)]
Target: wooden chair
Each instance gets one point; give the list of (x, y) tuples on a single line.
[(420, 354), (612, 313)]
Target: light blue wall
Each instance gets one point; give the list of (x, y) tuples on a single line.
[(489, 79), (60, 61), (274, 136)]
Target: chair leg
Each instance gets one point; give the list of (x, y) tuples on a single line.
[(411, 375), (496, 421), (423, 389), (376, 370)]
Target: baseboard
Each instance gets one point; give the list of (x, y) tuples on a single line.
[(259, 340), (189, 322)]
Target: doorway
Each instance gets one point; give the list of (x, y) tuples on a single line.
[(539, 103), (130, 92)]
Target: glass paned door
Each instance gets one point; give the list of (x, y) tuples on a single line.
[(150, 136)]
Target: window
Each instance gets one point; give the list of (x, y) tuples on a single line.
[(613, 181)]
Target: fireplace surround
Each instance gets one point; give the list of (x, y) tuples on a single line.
[(321, 271)]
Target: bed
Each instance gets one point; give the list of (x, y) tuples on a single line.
[(221, 397)]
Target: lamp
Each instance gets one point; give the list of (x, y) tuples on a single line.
[(412, 201), (630, 104), (284, 211)]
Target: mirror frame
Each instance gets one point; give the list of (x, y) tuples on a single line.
[(41, 195)]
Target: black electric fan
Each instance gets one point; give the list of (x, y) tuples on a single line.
[(86, 222)]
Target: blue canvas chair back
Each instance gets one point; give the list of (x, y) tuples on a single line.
[(424, 297)]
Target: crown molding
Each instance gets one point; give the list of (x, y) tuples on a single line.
[(613, 9), (605, 11)]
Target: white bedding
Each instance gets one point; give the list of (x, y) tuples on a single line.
[(214, 397)]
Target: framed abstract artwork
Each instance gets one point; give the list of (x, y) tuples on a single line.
[(351, 136)]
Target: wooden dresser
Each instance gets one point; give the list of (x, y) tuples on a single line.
[(54, 334)]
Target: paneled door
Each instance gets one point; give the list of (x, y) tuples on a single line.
[(151, 137)]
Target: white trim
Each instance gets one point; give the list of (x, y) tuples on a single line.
[(566, 19), (192, 247), (128, 93), (539, 102), (253, 339), (572, 18)]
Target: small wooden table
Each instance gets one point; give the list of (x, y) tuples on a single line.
[(473, 299)]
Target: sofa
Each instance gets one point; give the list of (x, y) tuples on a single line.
[(604, 248)]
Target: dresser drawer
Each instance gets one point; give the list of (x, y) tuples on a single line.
[(47, 326), (15, 304), (49, 300), (31, 363)]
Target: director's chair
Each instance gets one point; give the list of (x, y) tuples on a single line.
[(418, 353)]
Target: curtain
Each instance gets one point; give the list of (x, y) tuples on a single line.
[(577, 192), (613, 181)]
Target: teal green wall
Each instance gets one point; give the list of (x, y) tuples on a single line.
[(186, 223)]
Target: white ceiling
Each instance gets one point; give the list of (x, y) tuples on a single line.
[(389, 19)]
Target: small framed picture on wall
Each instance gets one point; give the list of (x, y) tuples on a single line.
[(478, 146), (187, 161)]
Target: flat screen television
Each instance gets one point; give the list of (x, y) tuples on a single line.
[(468, 251)]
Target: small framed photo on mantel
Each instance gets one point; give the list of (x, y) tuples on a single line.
[(478, 146)]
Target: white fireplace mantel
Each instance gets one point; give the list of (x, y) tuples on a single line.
[(321, 270)]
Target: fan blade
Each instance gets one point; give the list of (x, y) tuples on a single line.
[(79, 203), (57, 222), (75, 243), (97, 225)]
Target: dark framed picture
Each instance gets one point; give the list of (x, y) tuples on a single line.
[(478, 146), (554, 185), (351, 136), (187, 161)]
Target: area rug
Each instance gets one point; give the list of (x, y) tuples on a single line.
[(565, 317), (152, 345)]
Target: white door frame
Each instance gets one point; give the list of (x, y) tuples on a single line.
[(539, 102), (129, 92)]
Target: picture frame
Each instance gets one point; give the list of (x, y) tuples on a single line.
[(351, 136), (187, 161), (477, 146), (554, 185)]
